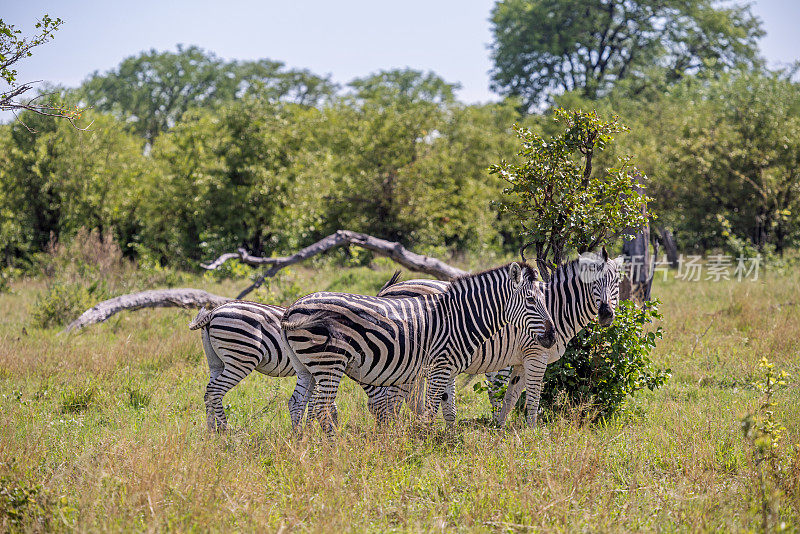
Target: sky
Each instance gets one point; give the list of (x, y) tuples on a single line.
[(343, 38)]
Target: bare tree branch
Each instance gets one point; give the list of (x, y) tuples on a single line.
[(390, 249), (194, 298), (156, 298)]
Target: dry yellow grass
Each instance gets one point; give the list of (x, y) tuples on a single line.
[(105, 431)]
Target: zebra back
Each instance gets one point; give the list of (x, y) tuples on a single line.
[(244, 334)]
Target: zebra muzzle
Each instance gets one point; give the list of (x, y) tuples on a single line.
[(548, 338)]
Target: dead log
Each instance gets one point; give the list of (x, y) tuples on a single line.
[(155, 298), (390, 249), (195, 298)]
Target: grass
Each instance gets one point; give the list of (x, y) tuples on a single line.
[(105, 431)]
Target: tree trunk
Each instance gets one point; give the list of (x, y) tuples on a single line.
[(668, 241), (155, 298), (639, 268)]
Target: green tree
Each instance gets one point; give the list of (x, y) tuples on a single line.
[(543, 47), (239, 176), (561, 200), (58, 179), (737, 158), (382, 131), (153, 90)]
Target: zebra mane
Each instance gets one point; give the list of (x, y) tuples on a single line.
[(567, 271), (528, 272)]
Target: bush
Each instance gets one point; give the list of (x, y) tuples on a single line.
[(65, 301), (603, 366), (77, 400)]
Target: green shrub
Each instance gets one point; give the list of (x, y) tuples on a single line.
[(65, 301), (136, 398), (77, 400), (23, 506), (603, 366)]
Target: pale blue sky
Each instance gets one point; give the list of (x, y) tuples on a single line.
[(344, 38)]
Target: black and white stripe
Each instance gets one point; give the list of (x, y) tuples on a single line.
[(387, 341), (240, 337), (577, 293)]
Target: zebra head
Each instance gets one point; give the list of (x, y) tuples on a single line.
[(603, 276), (527, 309)]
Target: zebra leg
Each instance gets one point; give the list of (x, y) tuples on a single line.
[(222, 379), (300, 397), (495, 382), (513, 391), (327, 384), (534, 375), (215, 368), (449, 402), (438, 379), (377, 401), (217, 388), (384, 402)]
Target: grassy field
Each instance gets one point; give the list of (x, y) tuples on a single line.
[(105, 431)]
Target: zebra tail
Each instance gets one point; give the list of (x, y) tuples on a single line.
[(318, 319), (203, 318), (392, 281)]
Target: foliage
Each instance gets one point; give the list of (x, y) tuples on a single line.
[(153, 90), (23, 505), (543, 47), (58, 180), (64, 301), (77, 400), (765, 435), (87, 269), (559, 200), (14, 48), (730, 159), (602, 367)]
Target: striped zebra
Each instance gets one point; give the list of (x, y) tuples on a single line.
[(240, 337), (387, 341), (578, 291)]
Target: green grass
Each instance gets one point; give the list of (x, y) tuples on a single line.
[(105, 431)]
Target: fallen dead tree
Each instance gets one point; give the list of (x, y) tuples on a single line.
[(195, 298), (154, 298), (390, 249)]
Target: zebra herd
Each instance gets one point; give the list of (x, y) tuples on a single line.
[(410, 341)]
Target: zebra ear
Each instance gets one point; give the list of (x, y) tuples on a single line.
[(604, 253), (620, 261), (515, 273)]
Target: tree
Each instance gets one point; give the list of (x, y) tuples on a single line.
[(561, 201), (57, 180), (13, 49), (736, 160), (381, 134), (153, 90), (543, 47)]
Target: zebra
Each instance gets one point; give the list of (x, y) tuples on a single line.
[(240, 337), (387, 341), (578, 291)]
